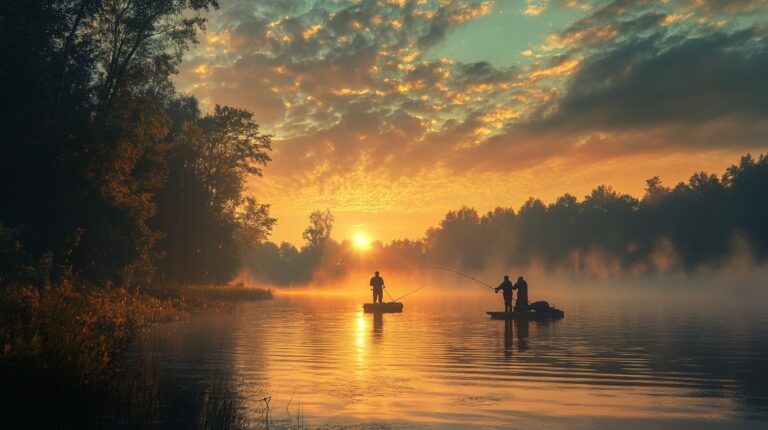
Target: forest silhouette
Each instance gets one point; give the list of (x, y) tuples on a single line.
[(701, 222)]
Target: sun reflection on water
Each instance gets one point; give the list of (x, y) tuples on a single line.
[(360, 334), (454, 367)]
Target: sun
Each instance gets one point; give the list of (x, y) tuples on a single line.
[(361, 241)]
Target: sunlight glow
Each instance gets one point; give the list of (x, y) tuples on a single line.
[(362, 241)]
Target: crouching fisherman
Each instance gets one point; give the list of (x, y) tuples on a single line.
[(377, 282), (507, 287), (522, 294)]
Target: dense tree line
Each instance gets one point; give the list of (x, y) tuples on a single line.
[(694, 223), (107, 175), (698, 222), (286, 264)]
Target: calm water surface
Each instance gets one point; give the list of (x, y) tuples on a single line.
[(613, 364)]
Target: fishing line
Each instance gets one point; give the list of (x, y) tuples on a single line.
[(464, 275), (390, 296), (459, 273), (408, 294)]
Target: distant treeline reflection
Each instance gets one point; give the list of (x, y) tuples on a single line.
[(706, 221)]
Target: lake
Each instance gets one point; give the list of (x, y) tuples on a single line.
[(614, 362)]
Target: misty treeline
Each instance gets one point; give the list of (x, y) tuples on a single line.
[(285, 264), (704, 221), (108, 176)]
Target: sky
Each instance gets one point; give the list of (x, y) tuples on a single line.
[(389, 113)]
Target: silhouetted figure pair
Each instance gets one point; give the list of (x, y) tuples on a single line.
[(522, 293), (377, 282)]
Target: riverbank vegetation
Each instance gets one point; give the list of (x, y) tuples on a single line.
[(115, 190)]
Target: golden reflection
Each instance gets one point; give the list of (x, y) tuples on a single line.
[(378, 326), (360, 337), (341, 367)]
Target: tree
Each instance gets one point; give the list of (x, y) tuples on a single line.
[(110, 172), (124, 166), (204, 208), (654, 190), (319, 229), (748, 200), (254, 222), (457, 240), (231, 148), (139, 43)]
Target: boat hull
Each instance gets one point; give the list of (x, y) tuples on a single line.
[(389, 307), (528, 315)]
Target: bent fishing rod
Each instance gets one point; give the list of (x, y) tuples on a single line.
[(461, 274)]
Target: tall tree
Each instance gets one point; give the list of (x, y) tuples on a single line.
[(319, 229), (204, 208), (139, 43)]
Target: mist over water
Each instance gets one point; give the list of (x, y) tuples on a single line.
[(628, 354), (737, 283)]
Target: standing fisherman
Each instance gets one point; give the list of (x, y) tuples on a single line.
[(507, 287), (377, 282), (522, 294)]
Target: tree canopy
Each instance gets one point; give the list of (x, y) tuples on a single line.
[(107, 174)]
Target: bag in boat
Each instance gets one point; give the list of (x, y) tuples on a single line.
[(540, 306)]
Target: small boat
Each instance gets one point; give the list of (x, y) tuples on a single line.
[(540, 310), (372, 308), (530, 315)]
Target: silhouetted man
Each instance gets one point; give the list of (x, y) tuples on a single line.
[(522, 294), (377, 282), (506, 286)]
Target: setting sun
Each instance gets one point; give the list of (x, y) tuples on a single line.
[(361, 241)]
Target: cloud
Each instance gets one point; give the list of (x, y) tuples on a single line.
[(633, 85), (664, 80), (729, 6), (349, 86), (533, 9)]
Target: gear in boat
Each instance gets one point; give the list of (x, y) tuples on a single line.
[(536, 310)]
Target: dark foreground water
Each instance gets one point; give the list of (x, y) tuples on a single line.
[(612, 363)]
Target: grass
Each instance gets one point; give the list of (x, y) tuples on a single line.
[(61, 358), (210, 296), (229, 293), (137, 398), (61, 345)]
